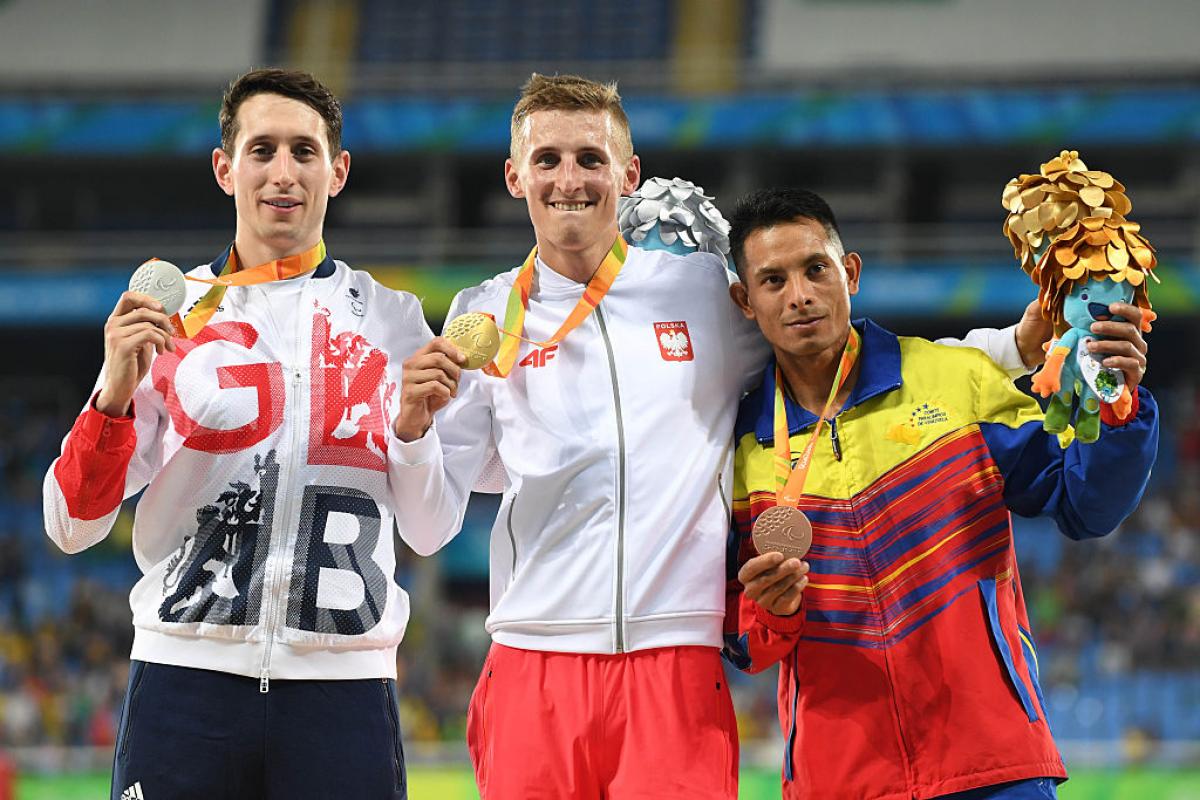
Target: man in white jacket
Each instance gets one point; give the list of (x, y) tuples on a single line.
[(267, 617), (614, 429)]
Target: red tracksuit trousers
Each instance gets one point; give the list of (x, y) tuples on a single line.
[(649, 724)]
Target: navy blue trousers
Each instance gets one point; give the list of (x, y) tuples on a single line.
[(1032, 789), (194, 733)]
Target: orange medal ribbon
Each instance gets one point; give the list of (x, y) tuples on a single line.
[(789, 481), (518, 304), (232, 275)]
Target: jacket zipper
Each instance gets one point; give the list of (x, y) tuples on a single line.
[(272, 605), (512, 537), (833, 439), (888, 667), (612, 368)]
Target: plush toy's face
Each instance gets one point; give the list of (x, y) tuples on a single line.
[(1088, 302)]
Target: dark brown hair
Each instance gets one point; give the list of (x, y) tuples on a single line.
[(288, 83)]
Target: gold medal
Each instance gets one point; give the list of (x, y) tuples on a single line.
[(782, 529), (476, 335)]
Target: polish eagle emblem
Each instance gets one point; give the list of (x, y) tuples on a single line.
[(674, 343)]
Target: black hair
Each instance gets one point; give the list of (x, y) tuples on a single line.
[(767, 208)]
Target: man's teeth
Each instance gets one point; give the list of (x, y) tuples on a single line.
[(282, 203), (570, 206)]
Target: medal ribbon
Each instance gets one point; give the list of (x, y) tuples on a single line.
[(232, 275), (789, 481), (518, 304)]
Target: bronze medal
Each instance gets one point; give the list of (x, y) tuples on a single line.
[(782, 529), (476, 335)]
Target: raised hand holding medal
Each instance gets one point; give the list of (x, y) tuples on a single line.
[(474, 341), (783, 528), (148, 317)]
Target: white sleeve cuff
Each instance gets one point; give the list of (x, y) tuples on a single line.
[(1007, 355), (418, 452)]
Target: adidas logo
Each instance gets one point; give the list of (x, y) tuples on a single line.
[(133, 792)]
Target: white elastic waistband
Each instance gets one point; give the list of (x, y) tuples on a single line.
[(701, 629), (288, 662)]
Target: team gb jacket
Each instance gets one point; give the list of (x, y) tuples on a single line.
[(264, 534)]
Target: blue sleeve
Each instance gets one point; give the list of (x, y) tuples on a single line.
[(1088, 489)]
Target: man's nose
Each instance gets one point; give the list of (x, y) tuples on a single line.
[(281, 168), (799, 292), (570, 178)]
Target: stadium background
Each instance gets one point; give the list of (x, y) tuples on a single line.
[(909, 116)]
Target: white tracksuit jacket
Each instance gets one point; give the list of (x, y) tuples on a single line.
[(616, 451), (264, 444)]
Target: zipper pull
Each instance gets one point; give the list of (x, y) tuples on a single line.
[(833, 438), (264, 682)]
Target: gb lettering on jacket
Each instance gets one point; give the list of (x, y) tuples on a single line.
[(318, 434)]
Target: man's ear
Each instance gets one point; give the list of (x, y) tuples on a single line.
[(632, 176), (741, 298), (341, 173), (512, 179), (222, 170), (853, 265)]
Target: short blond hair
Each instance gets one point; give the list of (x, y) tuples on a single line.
[(569, 93)]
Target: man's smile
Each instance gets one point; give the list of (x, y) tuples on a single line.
[(282, 204)]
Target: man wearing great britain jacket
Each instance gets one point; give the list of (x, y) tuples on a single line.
[(607, 556), (267, 618)]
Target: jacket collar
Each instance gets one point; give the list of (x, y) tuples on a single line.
[(323, 270), (878, 372)]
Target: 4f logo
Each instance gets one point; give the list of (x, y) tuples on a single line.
[(674, 343), (538, 358)]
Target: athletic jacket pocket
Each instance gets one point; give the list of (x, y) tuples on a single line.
[(989, 588), (477, 728), (392, 700), (136, 670)]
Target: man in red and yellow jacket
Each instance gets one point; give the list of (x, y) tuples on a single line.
[(907, 665)]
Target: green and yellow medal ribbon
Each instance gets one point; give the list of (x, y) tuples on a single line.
[(233, 275), (518, 303), (789, 481)]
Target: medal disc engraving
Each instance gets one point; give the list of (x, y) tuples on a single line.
[(476, 335), (782, 529)]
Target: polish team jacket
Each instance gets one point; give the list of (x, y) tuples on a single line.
[(910, 670), (615, 451), (614, 444), (264, 446)]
